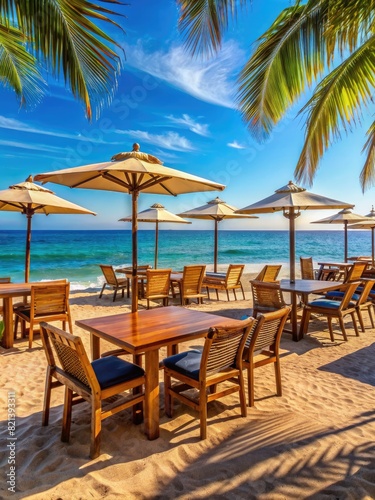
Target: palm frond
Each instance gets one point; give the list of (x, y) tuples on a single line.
[(18, 68), (336, 104), (204, 21), (64, 34), (289, 56), (367, 176)]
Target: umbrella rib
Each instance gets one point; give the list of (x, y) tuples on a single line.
[(157, 180), (115, 180)]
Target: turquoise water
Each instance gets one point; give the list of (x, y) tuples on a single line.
[(76, 255)]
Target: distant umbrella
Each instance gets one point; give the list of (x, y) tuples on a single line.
[(131, 172), (291, 199), (30, 199), (344, 217), (155, 214), (368, 225), (216, 210)]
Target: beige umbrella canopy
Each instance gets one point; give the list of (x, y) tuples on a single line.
[(291, 200), (216, 210), (368, 225), (29, 198), (131, 172), (155, 214), (344, 217)]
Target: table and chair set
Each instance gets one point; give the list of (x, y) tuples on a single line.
[(230, 346)]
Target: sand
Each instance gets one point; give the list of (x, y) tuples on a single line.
[(316, 441)]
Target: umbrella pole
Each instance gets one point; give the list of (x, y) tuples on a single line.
[(156, 244), (134, 251), (345, 241), (28, 244), (215, 245)]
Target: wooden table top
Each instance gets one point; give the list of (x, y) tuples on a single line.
[(309, 286), (14, 289), (336, 264), (153, 328)]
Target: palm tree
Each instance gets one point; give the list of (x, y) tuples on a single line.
[(328, 43), (58, 37)]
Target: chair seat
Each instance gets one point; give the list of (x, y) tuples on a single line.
[(328, 304), (111, 371), (339, 294), (188, 363)]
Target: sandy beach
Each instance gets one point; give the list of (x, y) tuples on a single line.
[(315, 442)]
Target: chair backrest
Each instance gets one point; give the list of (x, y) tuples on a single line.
[(267, 294), (367, 287), (5, 280), (109, 274), (269, 273), (307, 268), (223, 348), (73, 360), (267, 330), (158, 282), (50, 298), (355, 271), (347, 298), (234, 274), (192, 279)]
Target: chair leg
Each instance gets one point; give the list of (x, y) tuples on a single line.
[(343, 329), (167, 396), (203, 414), (217, 294), (114, 294), (355, 324), (47, 397), (279, 390), (228, 295), (234, 293), (67, 415), (242, 394), (370, 307), (305, 321), (102, 290), (96, 428), (329, 321), (208, 293), (250, 383), (31, 335), (360, 319), (243, 293)]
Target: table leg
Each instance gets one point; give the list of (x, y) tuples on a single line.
[(95, 346), (296, 334), (152, 394), (7, 341)]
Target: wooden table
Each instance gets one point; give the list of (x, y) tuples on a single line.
[(7, 292), (145, 332), (304, 287)]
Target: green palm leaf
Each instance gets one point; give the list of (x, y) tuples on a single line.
[(367, 177)]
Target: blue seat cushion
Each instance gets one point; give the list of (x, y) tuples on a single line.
[(329, 304), (188, 363), (339, 294), (112, 370)]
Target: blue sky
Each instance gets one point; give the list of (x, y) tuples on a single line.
[(181, 110)]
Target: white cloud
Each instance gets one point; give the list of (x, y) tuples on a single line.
[(170, 140), (32, 146), (235, 145), (210, 81), (188, 122)]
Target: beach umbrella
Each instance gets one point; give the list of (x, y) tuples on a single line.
[(291, 200), (368, 225), (344, 217), (29, 198), (216, 210), (131, 172), (155, 214)]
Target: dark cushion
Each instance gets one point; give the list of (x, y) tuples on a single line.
[(188, 363), (112, 370), (340, 294), (329, 304)]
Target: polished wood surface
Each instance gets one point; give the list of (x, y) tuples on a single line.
[(304, 287), (7, 292), (145, 332)]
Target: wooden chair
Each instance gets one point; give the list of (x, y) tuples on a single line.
[(112, 281), (332, 308), (49, 302), (269, 273), (365, 301), (221, 360), (157, 285), (232, 281), (267, 297), (262, 347), (191, 284), (85, 381), (355, 274)]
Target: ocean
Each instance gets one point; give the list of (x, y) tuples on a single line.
[(76, 255)]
